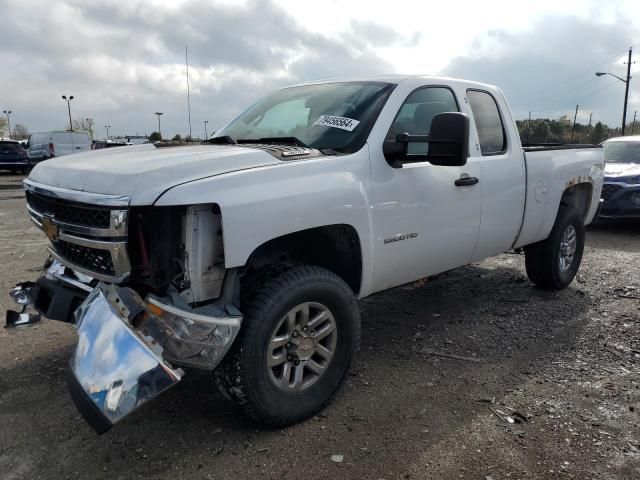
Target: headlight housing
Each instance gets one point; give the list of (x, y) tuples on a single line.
[(193, 339)]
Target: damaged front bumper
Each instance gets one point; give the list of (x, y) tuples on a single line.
[(130, 350), (113, 371)]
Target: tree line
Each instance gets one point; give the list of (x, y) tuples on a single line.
[(545, 130), (539, 130)]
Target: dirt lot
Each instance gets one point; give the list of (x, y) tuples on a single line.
[(564, 366)]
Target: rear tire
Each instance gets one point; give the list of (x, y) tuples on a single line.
[(553, 263), (279, 372)]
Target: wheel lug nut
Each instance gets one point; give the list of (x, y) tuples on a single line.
[(289, 357), (296, 363), (295, 333), (288, 345), (305, 329)]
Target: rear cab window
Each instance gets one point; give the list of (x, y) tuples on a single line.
[(10, 148), (486, 115)]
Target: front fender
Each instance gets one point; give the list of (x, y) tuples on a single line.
[(261, 204)]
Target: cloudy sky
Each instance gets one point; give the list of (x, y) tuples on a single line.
[(124, 60)]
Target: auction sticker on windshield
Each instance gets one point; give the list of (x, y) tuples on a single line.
[(344, 123)]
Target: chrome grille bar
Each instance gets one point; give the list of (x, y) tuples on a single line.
[(100, 253)]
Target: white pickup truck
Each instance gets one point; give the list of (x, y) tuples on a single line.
[(246, 255)]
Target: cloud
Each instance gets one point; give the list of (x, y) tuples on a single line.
[(125, 60), (550, 67)]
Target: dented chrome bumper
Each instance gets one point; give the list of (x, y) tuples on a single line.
[(113, 371)]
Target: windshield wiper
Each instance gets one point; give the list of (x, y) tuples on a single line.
[(225, 140), (329, 151), (276, 141)]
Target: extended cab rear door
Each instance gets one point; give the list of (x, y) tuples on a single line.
[(495, 145)]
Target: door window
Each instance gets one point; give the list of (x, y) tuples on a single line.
[(417, 112), (493, 140)]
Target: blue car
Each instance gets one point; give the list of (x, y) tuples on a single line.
[(621, 190)]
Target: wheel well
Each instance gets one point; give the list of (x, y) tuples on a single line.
[(579, 197), (334, 247)]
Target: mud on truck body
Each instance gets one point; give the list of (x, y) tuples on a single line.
[(246, 255)]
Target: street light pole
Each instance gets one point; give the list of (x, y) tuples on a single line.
[(8, 114), (206, 137), (107, 127), (626, 89), (68, 100), (157, 114)]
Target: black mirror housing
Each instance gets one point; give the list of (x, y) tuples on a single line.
[(449, 139), (448, 143)]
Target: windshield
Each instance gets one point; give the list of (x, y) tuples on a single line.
[(622, 152), (335, 116)]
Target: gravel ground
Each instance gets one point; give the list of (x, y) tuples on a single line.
[(548, 387)]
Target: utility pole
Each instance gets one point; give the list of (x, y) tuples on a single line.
[(107, 127), (626, 86), (626, 91), (573, 129), (157, 114), (68, 100), (633, 126), (586, 137), (206, 136), (529, 128), (8, 114)]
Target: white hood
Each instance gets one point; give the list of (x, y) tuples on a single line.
[(144, 172), (621, 169)]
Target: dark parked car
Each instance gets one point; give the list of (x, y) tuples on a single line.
[(13, 157), (621, 189)]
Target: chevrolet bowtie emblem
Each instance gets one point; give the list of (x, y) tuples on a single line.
[(49, 229)]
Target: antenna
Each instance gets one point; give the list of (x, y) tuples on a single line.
[(186, 61)]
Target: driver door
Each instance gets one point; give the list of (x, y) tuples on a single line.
[(423, 223)]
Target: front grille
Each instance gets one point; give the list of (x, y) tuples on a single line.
[(93, 259), (609, 190), (73, 213)]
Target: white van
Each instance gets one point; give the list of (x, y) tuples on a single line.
[(45, 145)]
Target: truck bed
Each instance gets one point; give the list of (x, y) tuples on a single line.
[(551, 169)]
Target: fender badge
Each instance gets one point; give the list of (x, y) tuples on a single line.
[(400, 236), (50, 229)]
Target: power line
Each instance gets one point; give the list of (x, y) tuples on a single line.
[(568, 79), (598, 65)]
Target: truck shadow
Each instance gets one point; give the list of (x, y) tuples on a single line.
[(398, 395)]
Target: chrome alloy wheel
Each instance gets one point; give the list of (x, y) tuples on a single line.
[(567, 248), (301, 347)]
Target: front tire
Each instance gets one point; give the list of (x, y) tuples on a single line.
[(300, 332), (553, 263)]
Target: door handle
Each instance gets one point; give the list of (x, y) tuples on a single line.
[(466, 181)]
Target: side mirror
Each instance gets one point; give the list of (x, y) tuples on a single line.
[(448, 142)]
